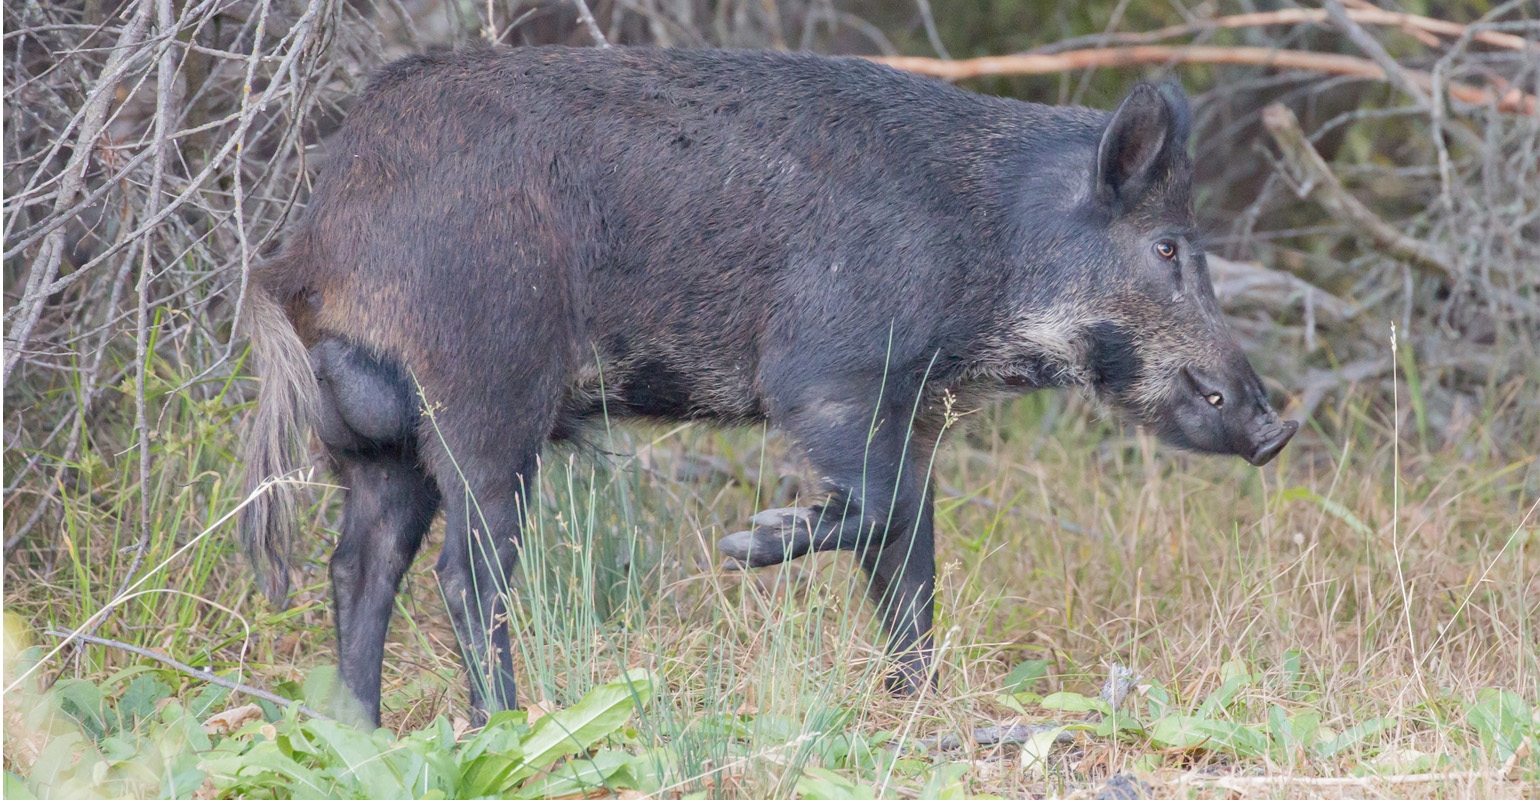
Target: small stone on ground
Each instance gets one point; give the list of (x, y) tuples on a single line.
[(1124, 787)]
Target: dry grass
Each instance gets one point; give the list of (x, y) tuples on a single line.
[(1061, 539)]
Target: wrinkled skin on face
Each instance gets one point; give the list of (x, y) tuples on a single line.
[(1156, 344)]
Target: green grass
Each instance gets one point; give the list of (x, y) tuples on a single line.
[(1358, 610)]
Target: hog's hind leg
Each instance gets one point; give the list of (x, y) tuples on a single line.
[(367, 421), (488, 431), (484, 513), (390, 504)]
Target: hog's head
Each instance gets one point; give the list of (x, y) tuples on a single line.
[(1133, 309)]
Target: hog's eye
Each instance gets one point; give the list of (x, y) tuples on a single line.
[(1166, 249)]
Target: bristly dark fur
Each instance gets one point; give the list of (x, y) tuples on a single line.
[(1114, 357), (530, 238)]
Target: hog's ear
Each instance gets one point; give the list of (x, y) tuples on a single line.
[(1145, 133)]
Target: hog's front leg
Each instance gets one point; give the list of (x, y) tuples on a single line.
[(879, 508), (782, 534)]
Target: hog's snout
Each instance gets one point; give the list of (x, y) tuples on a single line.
[(1273, 442), (1227, 412)]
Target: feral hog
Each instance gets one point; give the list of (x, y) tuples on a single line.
[(530, 238)]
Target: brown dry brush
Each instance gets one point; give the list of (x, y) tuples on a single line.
[(1433, 226), (154, 148)]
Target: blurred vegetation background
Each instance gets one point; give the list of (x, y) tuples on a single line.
[(155, 148)]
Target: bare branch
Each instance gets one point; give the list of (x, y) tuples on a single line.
[(46, 265), (165, 79), (930, 30), (1511, 100), (1376, 51), (200, 674), (1315, 179), (587, 18), (1295, 16), (1235, 281)]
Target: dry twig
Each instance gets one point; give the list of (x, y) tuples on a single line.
[(1237, 281), (1508, 99), (1313, 178), (587, 18), (93, 116), (1298, 16), (156, 119), (1371, 47), (200, 674), (1245, 783)]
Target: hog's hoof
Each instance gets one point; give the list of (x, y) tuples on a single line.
[(779, 535), (910, 674), (743, 549)]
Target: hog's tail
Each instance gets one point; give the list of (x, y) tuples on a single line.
[(277, 441)]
